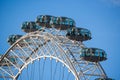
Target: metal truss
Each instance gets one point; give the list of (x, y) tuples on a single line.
[(38, 45)]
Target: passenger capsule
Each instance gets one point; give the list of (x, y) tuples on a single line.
[(44, 20), (13, 38), (78, 34), (62, 23), (30, 27), (104, 79), (93, 54)]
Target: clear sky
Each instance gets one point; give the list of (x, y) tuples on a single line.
[(101, 17)]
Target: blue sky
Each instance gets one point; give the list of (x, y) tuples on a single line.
[(101, 17)]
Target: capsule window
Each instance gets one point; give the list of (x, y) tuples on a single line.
[(96, 52), (82, 55), (39, 18), (101, 54), (67, 22), (71, 23), (88, 51), (88, 54), (55, 20), (105, 55)]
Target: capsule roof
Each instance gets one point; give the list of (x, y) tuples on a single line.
[(66, 21), (44, 20), (13, 38), (93, 54), (49, 21), (62, 23), (30, 27), (78, 34), (62, 18)]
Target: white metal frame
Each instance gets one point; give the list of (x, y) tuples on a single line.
[(82, 70)]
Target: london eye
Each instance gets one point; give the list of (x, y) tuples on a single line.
[(52, 49)]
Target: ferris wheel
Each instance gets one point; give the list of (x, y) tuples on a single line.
[(52, 49)]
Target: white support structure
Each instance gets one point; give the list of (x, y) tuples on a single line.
[(59, 48)]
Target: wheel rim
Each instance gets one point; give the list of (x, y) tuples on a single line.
[(82, 70)]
